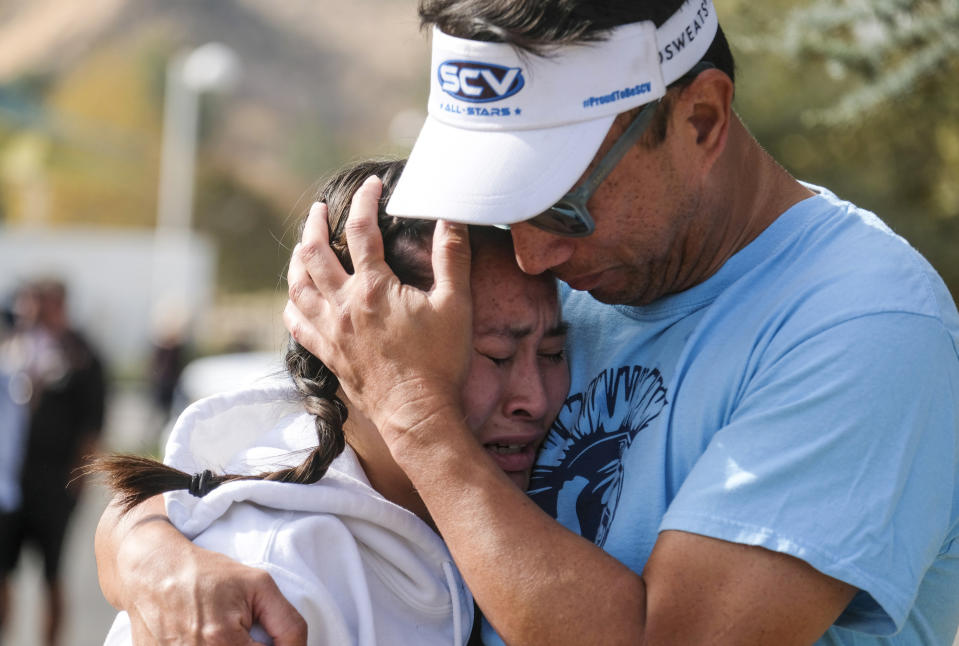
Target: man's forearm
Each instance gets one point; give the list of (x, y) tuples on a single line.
[(539, 583), (153, 531), (535, 581), (174, 590)]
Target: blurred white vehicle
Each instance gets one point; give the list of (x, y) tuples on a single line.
[(220, 373)]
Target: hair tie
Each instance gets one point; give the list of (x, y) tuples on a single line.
[(202, 483)]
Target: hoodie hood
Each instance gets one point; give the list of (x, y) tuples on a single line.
[(378, 562)]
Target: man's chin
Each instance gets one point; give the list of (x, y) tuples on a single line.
[(600, 286), (612, 295)]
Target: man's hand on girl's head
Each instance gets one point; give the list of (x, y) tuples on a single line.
[(401, 354)]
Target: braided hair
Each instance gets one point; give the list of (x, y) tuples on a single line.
[(406, 244)]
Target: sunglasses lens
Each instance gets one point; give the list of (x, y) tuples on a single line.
[(563, 220)]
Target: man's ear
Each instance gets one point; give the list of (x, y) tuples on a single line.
[(704, 111)]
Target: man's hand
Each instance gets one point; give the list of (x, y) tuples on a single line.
[(178, 593), (208, 599), (400, 353)]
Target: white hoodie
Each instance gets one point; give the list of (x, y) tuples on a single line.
[(359, 568)]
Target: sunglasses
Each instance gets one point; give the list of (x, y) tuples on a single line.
[(569, 217)]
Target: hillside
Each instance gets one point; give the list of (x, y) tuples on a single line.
[(321, 79)]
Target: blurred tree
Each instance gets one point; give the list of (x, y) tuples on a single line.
[(99, 165), (98, 125), (859, 96), (891, 45), (253, 242)]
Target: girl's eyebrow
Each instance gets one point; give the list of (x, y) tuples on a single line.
[(515, 333), (560, 329)]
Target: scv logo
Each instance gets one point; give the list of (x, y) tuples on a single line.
[(479, 82)]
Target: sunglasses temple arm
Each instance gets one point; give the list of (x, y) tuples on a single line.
[(629, 137), (626, 141)]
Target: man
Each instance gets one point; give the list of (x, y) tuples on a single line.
[(761, 441)]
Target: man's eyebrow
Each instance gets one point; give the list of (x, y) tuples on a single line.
[(513, 332)]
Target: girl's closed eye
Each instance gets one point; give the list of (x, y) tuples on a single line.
[(497, 360), (497, 349), (554, 357)]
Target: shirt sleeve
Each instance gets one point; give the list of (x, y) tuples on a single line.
[(842, 452)]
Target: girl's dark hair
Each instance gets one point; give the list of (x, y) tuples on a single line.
[(540, 26), (406, 244)]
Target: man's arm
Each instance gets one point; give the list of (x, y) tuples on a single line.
[(176, 592), (538, 583), (400, 356)]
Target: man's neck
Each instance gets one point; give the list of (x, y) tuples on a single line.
[(764, 189), (749, 190)]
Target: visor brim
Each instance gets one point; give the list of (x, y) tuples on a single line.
[(493, 177)]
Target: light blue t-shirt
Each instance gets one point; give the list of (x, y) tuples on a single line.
[(804, 399)]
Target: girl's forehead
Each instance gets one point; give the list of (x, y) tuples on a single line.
[(519, 302), (500, 289)]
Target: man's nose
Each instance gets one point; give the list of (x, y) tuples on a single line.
[(537, 251)]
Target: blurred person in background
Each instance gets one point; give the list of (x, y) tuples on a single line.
[(13, 428), (59, 378), (169, 350)]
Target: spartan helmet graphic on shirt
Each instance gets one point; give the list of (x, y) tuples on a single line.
[(592, 432)]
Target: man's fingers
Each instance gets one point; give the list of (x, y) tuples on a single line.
[(279, 618), (301, 288), (316, 229), (314, 269), (303, 331), (313, 261), (362, 229), (451, 258), (307, 334)]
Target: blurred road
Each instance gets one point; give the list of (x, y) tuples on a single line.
[(88, 615)]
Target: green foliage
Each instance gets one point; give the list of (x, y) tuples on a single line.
[(891, 45), (859, 96), (93, 136)]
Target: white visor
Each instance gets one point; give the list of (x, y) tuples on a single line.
[(509, 133)]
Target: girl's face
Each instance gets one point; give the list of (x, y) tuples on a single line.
[(517, 380), (518, 377)]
